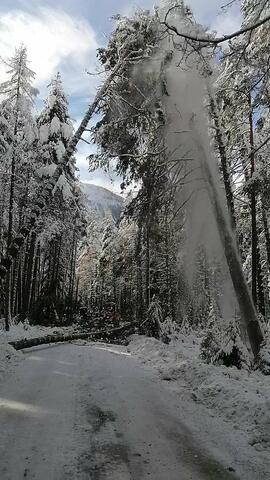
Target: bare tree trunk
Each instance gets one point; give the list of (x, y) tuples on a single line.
[(33, 290), (254, 236), (30, 267), (14, 287), (147, 266), (260, 282), (72, 266), (20, 285), (56, 263), (2, 210), (139, 288), (26, 262), (77, 291), (167, 268), (266, 233), (223, 160), (8, 300)]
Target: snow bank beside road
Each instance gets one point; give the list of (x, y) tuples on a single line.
[(238, 396), (8, 357)]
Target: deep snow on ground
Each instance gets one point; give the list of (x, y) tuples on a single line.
[(239, 397)]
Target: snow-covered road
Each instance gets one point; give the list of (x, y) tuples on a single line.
[(93, 412)]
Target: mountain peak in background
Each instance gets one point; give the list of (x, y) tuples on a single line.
[(102, 201)]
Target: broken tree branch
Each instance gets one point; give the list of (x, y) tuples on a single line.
[(210, 40)]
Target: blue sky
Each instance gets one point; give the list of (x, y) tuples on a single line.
[(63, 36)]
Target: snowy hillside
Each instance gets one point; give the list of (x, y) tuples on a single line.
[(102, 201)]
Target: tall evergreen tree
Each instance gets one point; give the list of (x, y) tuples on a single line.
[(60, 229), (18, 96)]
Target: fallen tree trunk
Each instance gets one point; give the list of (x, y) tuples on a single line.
[(104, 335)]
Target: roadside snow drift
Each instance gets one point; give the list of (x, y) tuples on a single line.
[(238, 396)]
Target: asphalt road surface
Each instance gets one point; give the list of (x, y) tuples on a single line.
[(73, 411)]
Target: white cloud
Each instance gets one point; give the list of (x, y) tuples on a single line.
[(207, 11), (227, 24), (52, 38)]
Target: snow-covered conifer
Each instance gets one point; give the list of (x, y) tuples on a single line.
[(55, 130)]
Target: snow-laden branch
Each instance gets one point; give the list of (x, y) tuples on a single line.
[(210, 40)]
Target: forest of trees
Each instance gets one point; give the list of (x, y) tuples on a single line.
[(41, 282), (149, 267)]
